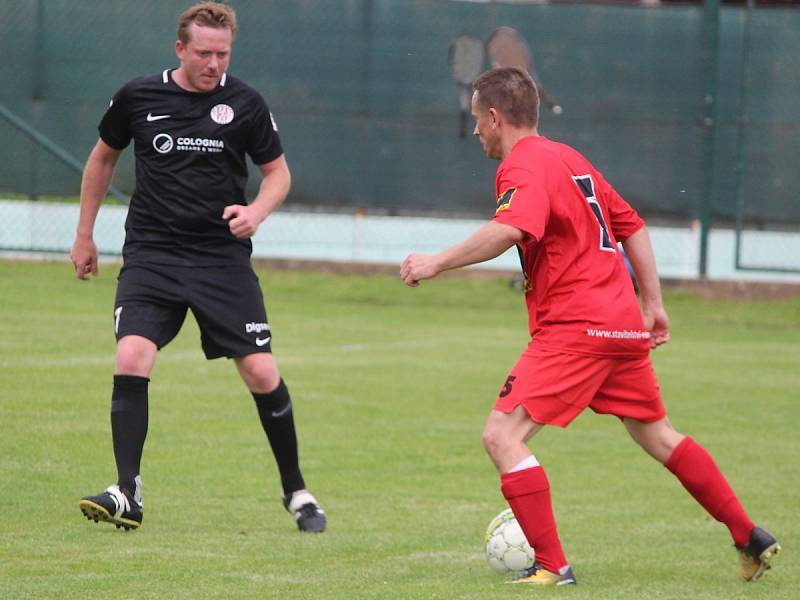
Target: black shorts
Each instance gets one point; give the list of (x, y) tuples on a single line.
[(226, 302)]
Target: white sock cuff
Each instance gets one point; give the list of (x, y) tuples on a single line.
[(300, 498), (526, 463)]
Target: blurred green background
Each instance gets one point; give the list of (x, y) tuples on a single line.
[(676, 103)]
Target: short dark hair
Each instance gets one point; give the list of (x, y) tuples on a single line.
[(207, 14), (510, 91)]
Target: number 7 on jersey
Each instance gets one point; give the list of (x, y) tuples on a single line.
[(586, 185)]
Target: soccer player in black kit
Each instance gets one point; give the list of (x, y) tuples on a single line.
[(187, 246)]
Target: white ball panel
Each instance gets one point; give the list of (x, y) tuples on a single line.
[(513, 534), (516, 560)]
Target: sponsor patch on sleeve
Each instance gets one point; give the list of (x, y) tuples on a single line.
[(504, 200)]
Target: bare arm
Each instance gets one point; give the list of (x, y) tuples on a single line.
[(639, 249), (97, 177), (490, 241), (245, 220)]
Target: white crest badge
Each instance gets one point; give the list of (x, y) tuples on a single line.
[(222, 114)]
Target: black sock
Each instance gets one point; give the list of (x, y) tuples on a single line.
[(275, 411), (128, 427)]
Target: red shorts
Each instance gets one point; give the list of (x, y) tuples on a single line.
[(554, 387)]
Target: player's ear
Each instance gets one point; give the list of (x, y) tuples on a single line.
[(495, 117)]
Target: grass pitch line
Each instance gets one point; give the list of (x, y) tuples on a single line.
[(30, 362)]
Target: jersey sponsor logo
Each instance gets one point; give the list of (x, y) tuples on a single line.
[(222, 114), (617, 334), (263, 341), (504, 200), (163, 143), (256, 327), (151, 117), (200, 144)]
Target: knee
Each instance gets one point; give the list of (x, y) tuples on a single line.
[(135, 357), (262, 380), (259, 372), (493, 442)]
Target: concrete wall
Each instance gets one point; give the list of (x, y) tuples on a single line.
[(49, 227)]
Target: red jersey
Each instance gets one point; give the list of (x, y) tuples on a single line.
[(578, 291)]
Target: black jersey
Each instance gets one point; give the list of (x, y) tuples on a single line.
[(190, 163)]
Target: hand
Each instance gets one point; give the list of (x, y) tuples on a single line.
[(243, 221), (417, 267), (84, 257), (657, 323)]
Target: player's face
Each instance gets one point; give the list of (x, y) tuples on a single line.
[(486, 129), (205, 57)]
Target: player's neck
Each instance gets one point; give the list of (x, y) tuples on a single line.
[(182, 81), (179, 78), (515, 135)]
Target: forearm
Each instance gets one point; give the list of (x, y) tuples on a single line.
[(639, 250), (96, 180), (489, 242), (272, 192)]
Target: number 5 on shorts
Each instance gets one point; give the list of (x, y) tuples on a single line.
[(507, 386)]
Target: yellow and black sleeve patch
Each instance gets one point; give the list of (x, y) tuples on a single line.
[(504, 200)]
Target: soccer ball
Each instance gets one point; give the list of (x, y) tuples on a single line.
[(506, 546)]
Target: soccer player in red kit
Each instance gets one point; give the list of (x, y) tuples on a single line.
[(590, 338)]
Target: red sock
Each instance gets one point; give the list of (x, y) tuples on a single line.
[(528, 494), (699, 474)]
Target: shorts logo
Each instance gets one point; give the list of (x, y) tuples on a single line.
[(263, 341), (117, 315), (504, 200), (222, 114), (256, 327), (163, 143)]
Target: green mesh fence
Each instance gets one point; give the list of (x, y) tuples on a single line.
[(369, 115)]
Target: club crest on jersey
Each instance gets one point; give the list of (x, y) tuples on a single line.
[(222, 114), (504, 200)]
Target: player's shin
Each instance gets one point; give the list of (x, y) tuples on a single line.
[(275, 412), (699, 474), (528, 494), (129, 417)]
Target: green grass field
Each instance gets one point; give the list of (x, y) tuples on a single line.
[(391, 388)]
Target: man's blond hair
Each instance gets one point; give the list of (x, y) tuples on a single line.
[(206, 14)]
